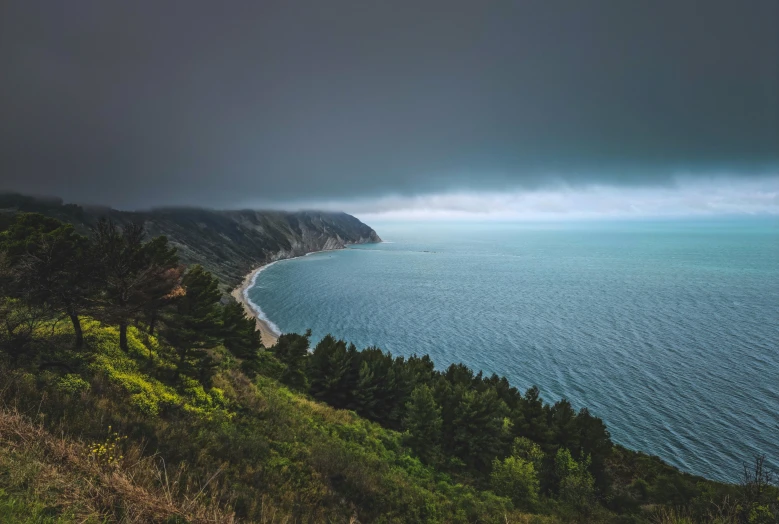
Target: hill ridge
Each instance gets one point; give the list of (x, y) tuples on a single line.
[(227, 243)]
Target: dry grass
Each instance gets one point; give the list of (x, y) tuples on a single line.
[(726, 512), (63, 473)]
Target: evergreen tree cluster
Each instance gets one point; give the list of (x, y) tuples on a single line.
[(458, 420), (470, 429), (115, 275)]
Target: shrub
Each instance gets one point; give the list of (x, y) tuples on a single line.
[(72, 384), (515, 478)]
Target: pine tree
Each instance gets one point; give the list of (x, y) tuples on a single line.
[(51, 266), (132, 274), (239, 332), (459, 374), (195, 322), (534, 421), (160, 255), (595, 442), (332, 372), (365, 392), (423, 424), (291, 350), (390, 394), (403, 385), (505, 391), (448, 398), (478, 429), (562, 422), (421, 370), (381, 387)]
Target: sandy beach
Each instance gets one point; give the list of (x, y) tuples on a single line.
[(268, 337)]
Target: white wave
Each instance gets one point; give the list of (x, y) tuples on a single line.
[(257, 309)]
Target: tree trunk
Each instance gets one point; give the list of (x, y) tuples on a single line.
[(77, 329), (123, 336), (152, 322)]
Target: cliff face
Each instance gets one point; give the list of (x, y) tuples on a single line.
[(227, 243)]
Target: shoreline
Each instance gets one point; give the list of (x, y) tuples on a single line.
[(268, 336)]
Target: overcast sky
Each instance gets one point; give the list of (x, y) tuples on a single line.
[(394, 107)]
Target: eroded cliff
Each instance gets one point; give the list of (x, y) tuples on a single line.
[(227, 243)]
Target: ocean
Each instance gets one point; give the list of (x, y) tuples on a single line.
[(668, 330)]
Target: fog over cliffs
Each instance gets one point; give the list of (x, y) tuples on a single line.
[(227, 243)]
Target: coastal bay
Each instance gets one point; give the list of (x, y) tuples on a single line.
[(269, 337), (649, 325)]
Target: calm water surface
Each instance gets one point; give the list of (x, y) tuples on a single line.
[(668, 331)]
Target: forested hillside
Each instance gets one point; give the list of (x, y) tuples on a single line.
[(131, 393), (229, 244)]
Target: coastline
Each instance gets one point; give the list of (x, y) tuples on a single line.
[(269, 337)]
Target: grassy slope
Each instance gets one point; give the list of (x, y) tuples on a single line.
[(240, 450), (250, 449), (50, 478)]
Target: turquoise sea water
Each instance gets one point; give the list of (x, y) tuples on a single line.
[(669, 331)]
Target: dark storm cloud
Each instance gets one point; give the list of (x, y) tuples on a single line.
[(224, 103)]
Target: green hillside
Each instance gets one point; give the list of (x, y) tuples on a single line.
[(229, 244), (130, 393)]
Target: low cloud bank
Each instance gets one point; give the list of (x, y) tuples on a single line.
[(691, 197)]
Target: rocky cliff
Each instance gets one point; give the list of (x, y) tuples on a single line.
[(227, 243)]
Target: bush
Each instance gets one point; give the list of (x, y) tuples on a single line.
[(72, 384), (516, 479), (576, 485)]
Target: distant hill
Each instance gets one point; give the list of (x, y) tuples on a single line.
[(227, 243)]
